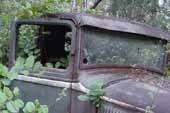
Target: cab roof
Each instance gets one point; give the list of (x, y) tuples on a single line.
[(109, 23)]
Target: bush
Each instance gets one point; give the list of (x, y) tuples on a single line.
[(25, 9)]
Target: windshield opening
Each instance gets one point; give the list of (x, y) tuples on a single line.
[(109, 47)]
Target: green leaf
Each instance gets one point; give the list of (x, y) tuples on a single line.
[(36, 51), (63, 92), (12, 75), (96, 85), (19, 65), (3, 98), (50, 65), (83, 97), (3, 70), (8, 93), (79, 1), (29, 12), (27, 5), (25, 72), (4, 111), (6, 82), (57, 65), (29, 107), (43, 109), (29, 62), (16, 91), (11, 107), (1, 54), (37, 67), (37, 103), (94, 94), (19, 103)]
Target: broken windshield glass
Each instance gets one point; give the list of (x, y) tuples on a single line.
[(108, 47)]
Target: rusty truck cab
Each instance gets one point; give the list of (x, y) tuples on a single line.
[(128, 57)]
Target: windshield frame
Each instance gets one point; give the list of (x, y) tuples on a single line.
[(84, 66)]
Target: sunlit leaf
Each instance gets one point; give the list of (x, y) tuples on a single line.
[(11, 107), (3, 98), (16, 91), (29, 107), (19, 103), (29, 62), (8, 93), (83, 97)]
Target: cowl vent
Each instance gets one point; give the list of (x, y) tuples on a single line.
[(111, 108)]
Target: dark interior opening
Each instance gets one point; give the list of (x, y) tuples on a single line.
[(54, 43)]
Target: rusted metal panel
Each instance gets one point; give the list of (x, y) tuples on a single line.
[(109, 23), (141, 95), (46, 94), (137, 89), (78, 106)]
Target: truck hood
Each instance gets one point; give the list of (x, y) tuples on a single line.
[(141, 91), (141, 95)]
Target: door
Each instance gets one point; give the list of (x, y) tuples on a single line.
[(51, 42)]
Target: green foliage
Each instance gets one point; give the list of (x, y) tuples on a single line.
[(14, 106), (9, 101), (3, 98), (6, 76), (35, 107), (27, 41), (37, 66), (25, 66), (167, 70), (146, 11), (29, 107), (62, 63), (50, 65), (25, 9), (167, 67), (4, 36), (94, 95), (16, 91), (29, 62), (167, 48), (62, 94), (148, 109)]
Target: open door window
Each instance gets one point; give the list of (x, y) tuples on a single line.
[(51, 42)]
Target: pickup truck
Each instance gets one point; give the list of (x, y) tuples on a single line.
[(128, 57)]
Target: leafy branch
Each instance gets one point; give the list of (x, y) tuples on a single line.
[(94, 94)]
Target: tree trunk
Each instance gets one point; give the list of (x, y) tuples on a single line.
[(74, 6)]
